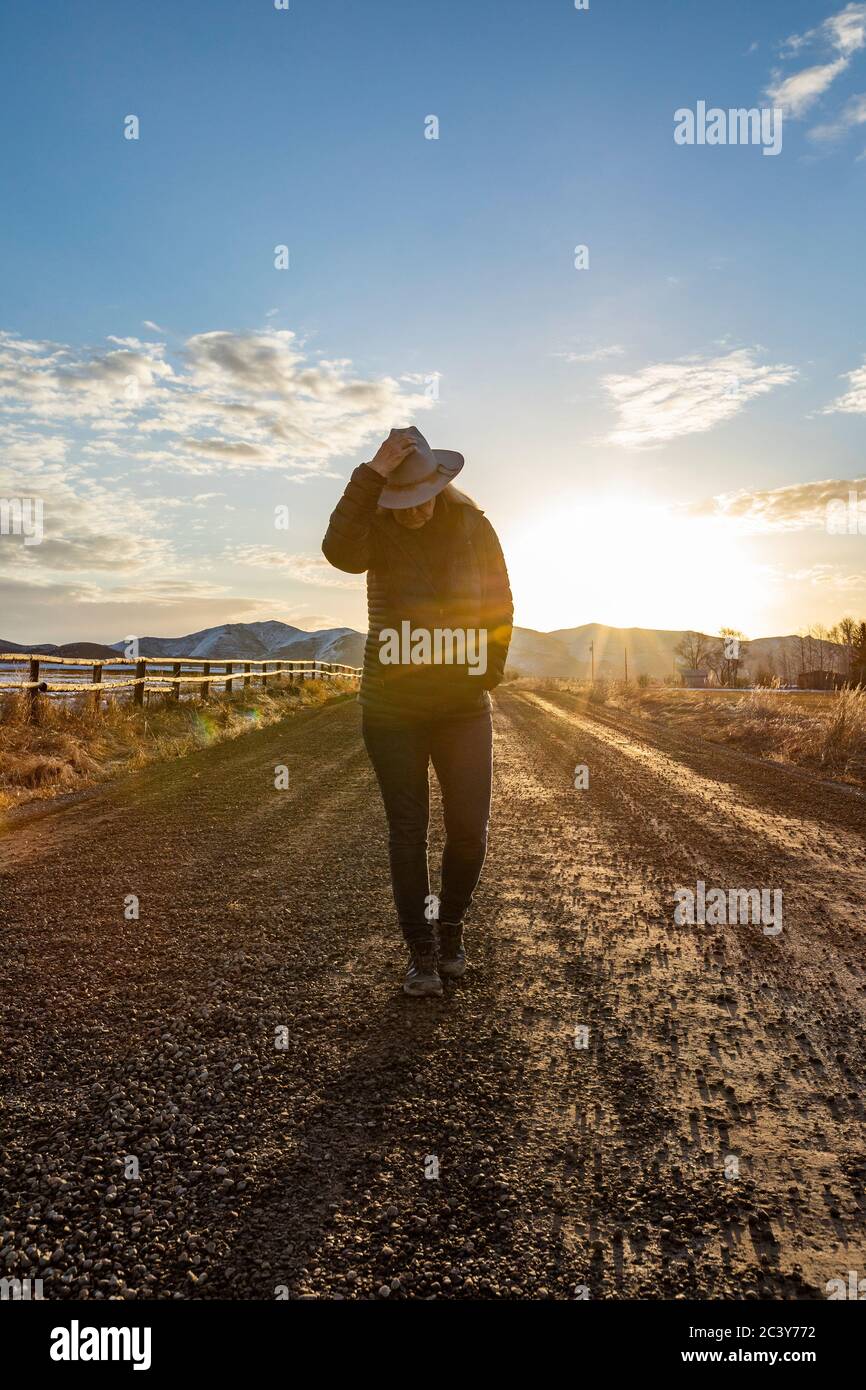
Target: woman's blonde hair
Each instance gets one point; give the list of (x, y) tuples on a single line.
[(453, 494)]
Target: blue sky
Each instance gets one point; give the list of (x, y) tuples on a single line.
[(648, 434)]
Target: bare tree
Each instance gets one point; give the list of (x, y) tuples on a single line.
[(846, 633), (731, 650), (695, 650), (820, 635), (860, 655)]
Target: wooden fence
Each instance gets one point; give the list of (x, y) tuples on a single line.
[(153, 675)]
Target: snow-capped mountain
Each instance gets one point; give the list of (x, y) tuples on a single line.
[(257, 642)]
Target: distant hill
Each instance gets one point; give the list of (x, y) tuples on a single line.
[(86, 649), (45, 649), (565, 652), (82, 649), (540, 654), (651, 652)]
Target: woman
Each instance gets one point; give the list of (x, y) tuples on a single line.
[(440, 616)]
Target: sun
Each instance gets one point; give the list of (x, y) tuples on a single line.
[(630, 563)]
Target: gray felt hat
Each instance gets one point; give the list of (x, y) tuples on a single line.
[(425, 472)]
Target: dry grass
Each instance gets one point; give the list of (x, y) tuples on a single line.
[(821, 732), (73, 746)]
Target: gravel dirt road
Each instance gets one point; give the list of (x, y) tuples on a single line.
[(564, 1171)]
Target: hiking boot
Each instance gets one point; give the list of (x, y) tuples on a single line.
[(422, 976), (452, 958)]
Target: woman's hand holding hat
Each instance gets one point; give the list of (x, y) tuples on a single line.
[(397, 447)]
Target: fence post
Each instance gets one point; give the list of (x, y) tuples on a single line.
[(33, 693), (138, 688), (247, 676), (230, 666), (204, 688), (97, 680), (301, 676), (175, 689)]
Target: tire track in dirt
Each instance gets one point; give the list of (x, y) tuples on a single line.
[(758, 1047)]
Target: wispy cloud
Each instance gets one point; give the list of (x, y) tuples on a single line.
[(305, 569), (227, 401), (853, 114), (848, 28), (799, 507), (598, 354), (163, 608), (842, 34), (85, 430), (853, 402), (689, 396), (797, 93), (833, 577), (90, 524)]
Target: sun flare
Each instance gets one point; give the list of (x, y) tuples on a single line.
[(630, 564)]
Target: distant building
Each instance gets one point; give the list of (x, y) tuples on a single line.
[(695, 680), (819, 680)]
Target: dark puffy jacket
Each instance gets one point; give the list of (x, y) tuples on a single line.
[(467, 588)]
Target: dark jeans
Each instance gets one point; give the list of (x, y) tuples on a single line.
[(461, 751)]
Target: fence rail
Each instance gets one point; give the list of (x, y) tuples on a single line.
[(168, 675)]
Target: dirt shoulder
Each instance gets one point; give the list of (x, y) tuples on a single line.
[(74, 747), (823, 734)]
